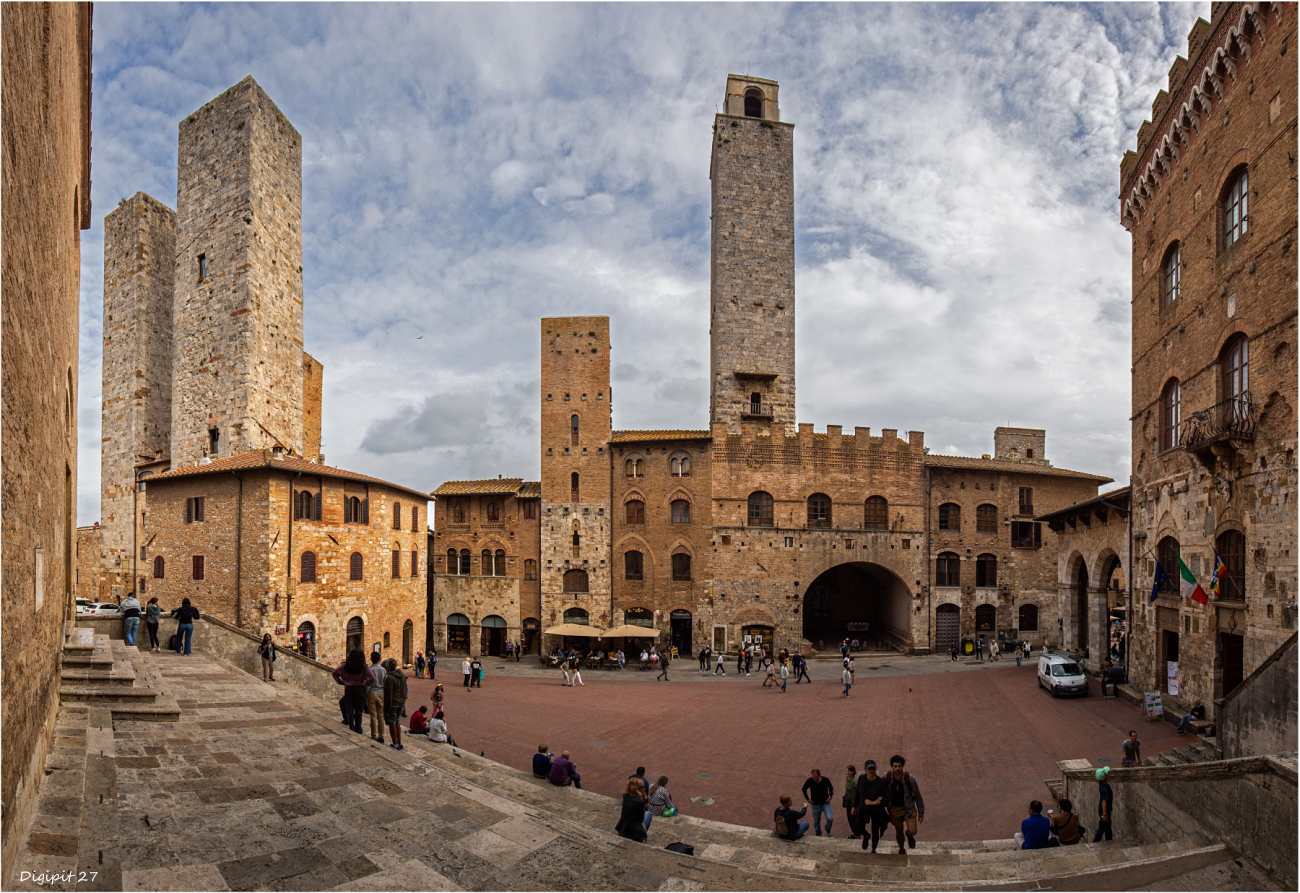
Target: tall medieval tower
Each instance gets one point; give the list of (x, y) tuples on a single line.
[(576, 422), (139, 265), (751, 332), (237, 383)]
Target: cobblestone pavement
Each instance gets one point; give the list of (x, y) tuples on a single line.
[(980, 738)]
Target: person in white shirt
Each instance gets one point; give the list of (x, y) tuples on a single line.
[(464, 668), (438, 729)]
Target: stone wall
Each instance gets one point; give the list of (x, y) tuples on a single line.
[(45, 126), (476, 598), (313, 383), (751, 323), (1093, 542), (1194, 493), (1259, 717), (92, 580), (1249, 804), (237, 316)]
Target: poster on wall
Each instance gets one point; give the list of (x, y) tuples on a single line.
[(1152, 704), (1171, 676)]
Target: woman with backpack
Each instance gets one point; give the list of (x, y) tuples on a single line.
[(266, 651), (787, 822), (356, 678)]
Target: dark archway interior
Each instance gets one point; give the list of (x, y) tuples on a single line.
[(1081, 591), (845, 598)]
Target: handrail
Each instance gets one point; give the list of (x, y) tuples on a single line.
[(757, 409), (1234, 417)]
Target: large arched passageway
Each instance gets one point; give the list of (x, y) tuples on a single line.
[(857, 600)]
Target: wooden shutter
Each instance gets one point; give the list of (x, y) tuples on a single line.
[(315, 508), (198, 567), (198, 508), (365, 511), (189, 509), (1038, 535), (415, 564), (347, 509), (397, 564)]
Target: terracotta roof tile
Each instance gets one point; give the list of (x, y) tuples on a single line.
[(1011, 465), (491, 486), (263, 459), (531, 490), (642, 436)]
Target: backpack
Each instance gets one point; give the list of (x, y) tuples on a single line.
[(780, 828)]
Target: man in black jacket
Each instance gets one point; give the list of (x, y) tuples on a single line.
[(185, 616), (818, 791), (869, 806)]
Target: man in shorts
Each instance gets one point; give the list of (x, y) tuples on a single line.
[(394, 701), (906, 808)]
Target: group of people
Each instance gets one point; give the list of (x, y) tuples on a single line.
[(1023, 650), (471, 668), (378, 690), (422, 663), (872, 801), (1038, 831), (151, 613)]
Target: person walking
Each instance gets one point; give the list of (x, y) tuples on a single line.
[(954, 651), (153, 614), (785, 675), (818, 791), (664, 661), (846, 801), (847, 677), (394, 702), (432, 662), (575, 669), (704, 659), (995, 653), (906, 808), (375, 698), (740, 659), (266, 651), (749, 659), (720, 668), (1105, 805), (634, 819), (803, 670), (356, 678), (464, 671), (1130, 750), (130, 618), (869, 803), (185, 616), (419, 665), (476, 673), (770, 677), (1020, 655)]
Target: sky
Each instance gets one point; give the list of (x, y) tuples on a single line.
[(468, 169)]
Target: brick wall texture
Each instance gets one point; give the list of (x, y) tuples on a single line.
[(1230, 109), (45, 122)]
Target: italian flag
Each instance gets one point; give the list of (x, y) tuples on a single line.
[(1191, 589)]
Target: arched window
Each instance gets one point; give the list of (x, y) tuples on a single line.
[(458, 512), (632, 565), (306, 507), (464, 562), (986, 570), (634, 468), (159, 567), (635, 511), (753, 103), (386, 640), (397, 516), (357, 565), (493, 513), (573, 430), (986, 617), (573, 487), (681, 511), (1231, 546), (415, 563), (681, 566), (1171, 407), (1236, 219), (499, 563), (485, 563), (577, 615), (356, 633), (819, 510), (356, 510), (947, 569), (1236, 371), (308, 574), (875, 515), (761, 512), (1028, 621), (577, 540), (950, 516), (530, 569), (452, 563), (1167, 555), (307, 639), (680, 466), (458, 633), (1171, 275), (642, 617), (986, 518), (408, 636), (575, 581)]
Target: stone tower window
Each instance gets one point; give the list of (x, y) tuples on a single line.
[(986, 518), (194, 509), (308, 574), (755, 403), (575, 581), (680, 467), (203, 267), (1167, 555), (573, 487), (635, 511), (1231, 546), (681, 511), (530, 511), (950, 516), (159, 567), (458, 512), (1029, 454), (464, 562), (1028, 618), (493, 513), (986, 570), (197, 567), (633, 565), (530, 569), (947, 569), (214, 438), (499, 563), (357, 566), (356, 510), (753, 103), (573, 429), (1236, 376), (681, 566), (1170, 415), (819, 510), (1236, 220), (1171, 279), (397, 564), (452, 561), (761, 510), (876, 514), (415, 519), (1026, 500), (485, 563), (634, 468), (397, 516)]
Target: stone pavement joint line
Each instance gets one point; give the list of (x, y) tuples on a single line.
[(259, 786)]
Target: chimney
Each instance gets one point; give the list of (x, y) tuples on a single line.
[(277, 452)]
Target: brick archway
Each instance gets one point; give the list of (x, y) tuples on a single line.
[(857, 599)]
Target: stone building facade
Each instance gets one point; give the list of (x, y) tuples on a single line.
[(760, 526), (45, 126), (1209, 198), (319, 557)]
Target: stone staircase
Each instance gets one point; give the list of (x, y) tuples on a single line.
[(105, 673), (1201, 751)]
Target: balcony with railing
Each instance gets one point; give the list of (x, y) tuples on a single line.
[(752, 410), (1224, 427)]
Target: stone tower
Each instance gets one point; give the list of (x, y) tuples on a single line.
[(575, 559), (237, 382), (139, 265), (751, 334)]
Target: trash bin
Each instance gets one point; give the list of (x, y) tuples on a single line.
[(967, 646), (1111, 679)]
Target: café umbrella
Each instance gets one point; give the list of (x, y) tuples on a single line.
[(632, 632), (575, 629)]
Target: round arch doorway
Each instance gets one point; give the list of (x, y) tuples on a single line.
[(679, 622), (857, 600), (492, 639)]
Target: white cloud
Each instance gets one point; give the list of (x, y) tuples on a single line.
[(469, 169)]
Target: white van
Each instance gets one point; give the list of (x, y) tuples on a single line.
[(1061, 675)]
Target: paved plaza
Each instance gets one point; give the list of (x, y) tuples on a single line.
[(981, 738)]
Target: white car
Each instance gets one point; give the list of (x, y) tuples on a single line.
[(103, 609), (84, 605), (1061, 676)]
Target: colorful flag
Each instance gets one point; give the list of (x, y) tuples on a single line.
[(1161, 579), (1216, 579), (1191, 589)]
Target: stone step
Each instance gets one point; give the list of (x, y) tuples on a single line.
[(120, 674), (1205, 752), (78, 639), (1176, 757), (107, 695), (99, 659)]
